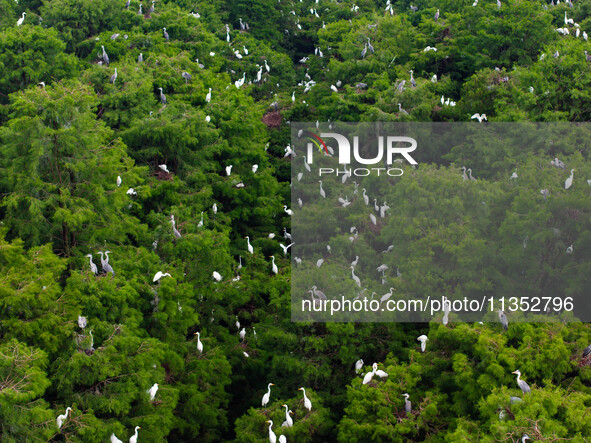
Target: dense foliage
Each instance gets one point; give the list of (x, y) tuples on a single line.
[(68, 132)]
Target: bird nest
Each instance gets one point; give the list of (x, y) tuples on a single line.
[(272, 119), (163, 175)]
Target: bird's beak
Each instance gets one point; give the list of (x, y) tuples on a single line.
[(514, 372), (291, 412), (272, 384)]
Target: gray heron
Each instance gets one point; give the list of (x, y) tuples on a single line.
[(93, 267), (162, 97), (436, 15), (587, 351), (140, 58), (407, 404), (114, 77), (412, 79), (165, 34), (105, 263), (175, 231), (403, 111), (503, 320), (105, 56), (522, 384), (186, 76)]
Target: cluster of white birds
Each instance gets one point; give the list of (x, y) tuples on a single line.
[(571, 22), (288, 420)]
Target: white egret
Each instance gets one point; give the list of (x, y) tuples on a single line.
[(114, 439), (354, 277), (286, 234), (367, 378), (373, 219), (569, 250), (522, 384), (164, 168), (287, 211), (273, 265), (569, 181), (282, 439), (285, 248), (228, 170), (272, 436), (387, 296), (358, 366), (288, 420), (423, 339), (81, 322), (208, 96), (199, 344), (159, 275), (214, 208), (354, 262), (152, 391), (249, 246), (319, 262), (255, 168), (267, 397), (365, 197), (200, 224), (21, 20), (242, 334), (60, 418), (118, 181), (307, 402), (133, 438), (379, 372), (217, 276), (322, 193), (479, 117)]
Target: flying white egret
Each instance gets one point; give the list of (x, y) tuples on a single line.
[(216, 275), (159, 275), (273, 265), (199, 344), (285, 248), (354, 277), (307, 402), (479, 117), (358, 366), (522, 384), (423, 339), (21, 20), (407, 405), (60, 418), (569, 181), (152, 391), (93, 267), (249, 246), (267, 396), (288, 420), (272, 436), (133, 438)]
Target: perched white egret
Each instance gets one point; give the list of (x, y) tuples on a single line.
[(242, 334), (423, 339), (569, 181), (387, 296), (81, 322), (287, 211), (21, 20), (200, 224), (229, 170), (358, 366), (272, 436), (60, 418), (273, 265), (322, 193), (114, 439), (249, 246), (379, 372), (255, 168), (133, 438), (522, 384), (152, 391), (214, 208), (307, 402), (118, 181), (288, 420), (354, 277), (208, 96), (267, 396), (319, 262), (217, 276), (373, 219), (367, 378), (569, 250), (199, 344)]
